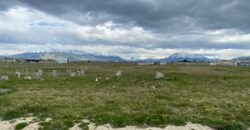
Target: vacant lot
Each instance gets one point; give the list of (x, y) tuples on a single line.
[(215, 96)]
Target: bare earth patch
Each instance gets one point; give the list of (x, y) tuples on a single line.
[(33, 126), (188, 126), (76, 127), (10, 125)]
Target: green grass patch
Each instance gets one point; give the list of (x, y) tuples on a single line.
[(209, 95), (56, 125), (12, 114), (84, 126), (20, 126)]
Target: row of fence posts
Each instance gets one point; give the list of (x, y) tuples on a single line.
[(39, 73), (54, 73)]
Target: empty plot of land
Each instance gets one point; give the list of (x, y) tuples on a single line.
[(130, 95)]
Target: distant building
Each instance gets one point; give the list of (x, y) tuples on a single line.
[(212, 64), (243, 63), (68, 60), (9, 60), (34, 61), (163, 63), (223, 63), (232, 63), (227, 63), (146, 63)]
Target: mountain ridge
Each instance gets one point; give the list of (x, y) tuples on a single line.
[(75, 55), (65, 56), (185, 57), (179, 57)]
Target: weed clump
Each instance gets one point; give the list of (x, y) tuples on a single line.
[(20, 126), (12, 114), (56, 125), (84, 126)]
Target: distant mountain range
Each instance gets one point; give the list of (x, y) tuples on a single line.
[(80, 56), (180, 57), (242, 58), (185, 57), (62, 57)]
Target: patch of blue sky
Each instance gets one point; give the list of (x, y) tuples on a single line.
[(44, 24)]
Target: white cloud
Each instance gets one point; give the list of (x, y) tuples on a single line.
[(238, 39), (228, 36), (24, 29), (116, 33), (221, 32), (29, 25)]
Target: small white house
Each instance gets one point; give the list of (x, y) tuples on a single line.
[(144, 63), (212, 64), (229, 63), (163, 63)]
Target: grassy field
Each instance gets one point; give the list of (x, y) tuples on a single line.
[(216, 96)]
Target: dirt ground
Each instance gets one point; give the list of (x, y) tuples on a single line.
[(10, 125)]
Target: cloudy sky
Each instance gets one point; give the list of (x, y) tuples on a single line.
[(127, 28)]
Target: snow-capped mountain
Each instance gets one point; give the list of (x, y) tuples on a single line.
[(187, 57), (242, 58), (179, 57), (28, 55), (64, 56), (80, 55)]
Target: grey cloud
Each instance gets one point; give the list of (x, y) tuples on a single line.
[(152, 14), (157, 15), (6, 4), (165, 18)]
